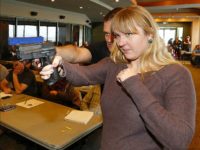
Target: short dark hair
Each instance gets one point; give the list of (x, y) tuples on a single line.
[(111, 13)]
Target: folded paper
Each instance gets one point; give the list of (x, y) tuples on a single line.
[(79, 116)]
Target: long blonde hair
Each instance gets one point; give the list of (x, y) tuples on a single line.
[(157, 55)]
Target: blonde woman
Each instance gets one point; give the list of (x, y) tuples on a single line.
[(148, 101)]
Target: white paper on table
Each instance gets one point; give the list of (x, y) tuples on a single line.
[(3, 95), (30, 103), (79, 116)]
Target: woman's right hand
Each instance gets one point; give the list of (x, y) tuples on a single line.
[(49, 69)]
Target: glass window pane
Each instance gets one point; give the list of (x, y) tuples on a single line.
[(43, 32), (30, 31), (20, 31), (11, 31), (180, 33), (52, 34), (169, 33)]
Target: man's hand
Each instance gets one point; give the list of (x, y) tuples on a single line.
[(53, 92), (18, 67), (7, 90)]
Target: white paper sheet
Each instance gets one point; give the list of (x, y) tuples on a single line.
[(3, 95), (30, 103), (79, 116)]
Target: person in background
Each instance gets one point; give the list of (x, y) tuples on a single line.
[(149, 100), (102, 49), (177, 46), (63, 93), (3, 73), (170, 42), (195, 58), (85, 44), (196, 49), (21, 78), (187, 44)]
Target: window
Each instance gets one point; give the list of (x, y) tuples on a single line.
[(48, 31), (43, 32), (26, 28), (64, 33), (51, 34), (20, 31), (30, 31), (11, 30), (167, 33)]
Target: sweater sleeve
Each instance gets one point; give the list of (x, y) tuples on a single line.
[(173, 122), (86, 75)]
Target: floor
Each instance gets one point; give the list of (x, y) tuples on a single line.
[(195, 145)]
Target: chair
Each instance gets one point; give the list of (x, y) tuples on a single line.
[(90, 98)]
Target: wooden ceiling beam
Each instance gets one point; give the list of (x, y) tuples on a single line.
[(168, 3)]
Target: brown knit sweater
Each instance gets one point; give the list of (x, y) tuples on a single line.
[(155, 113)]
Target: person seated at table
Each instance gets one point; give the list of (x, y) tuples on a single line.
[(20, 79), (63, 93), (195, 59), (3, 73)]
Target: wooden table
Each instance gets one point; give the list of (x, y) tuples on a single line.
[(45, 124)]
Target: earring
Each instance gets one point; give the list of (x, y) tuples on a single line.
[(150, 41)]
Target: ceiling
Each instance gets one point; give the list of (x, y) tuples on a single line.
[(96, 9)]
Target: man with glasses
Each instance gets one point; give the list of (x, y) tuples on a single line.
[(98, 50), (102, 49)]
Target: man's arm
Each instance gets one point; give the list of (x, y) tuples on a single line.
[(18, 69), (4, 86), (74, 54), (19, 87)]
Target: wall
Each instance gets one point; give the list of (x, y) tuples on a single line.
[(3, 39), (195, 32), (97, 32), (13, 8)]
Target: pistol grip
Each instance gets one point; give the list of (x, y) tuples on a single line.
[(53, 78)]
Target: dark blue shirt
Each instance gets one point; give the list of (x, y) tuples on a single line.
[(99, 51), (26, 77)]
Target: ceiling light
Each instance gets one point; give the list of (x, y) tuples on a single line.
[(81, 7), (52, 0), (116, 0)]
